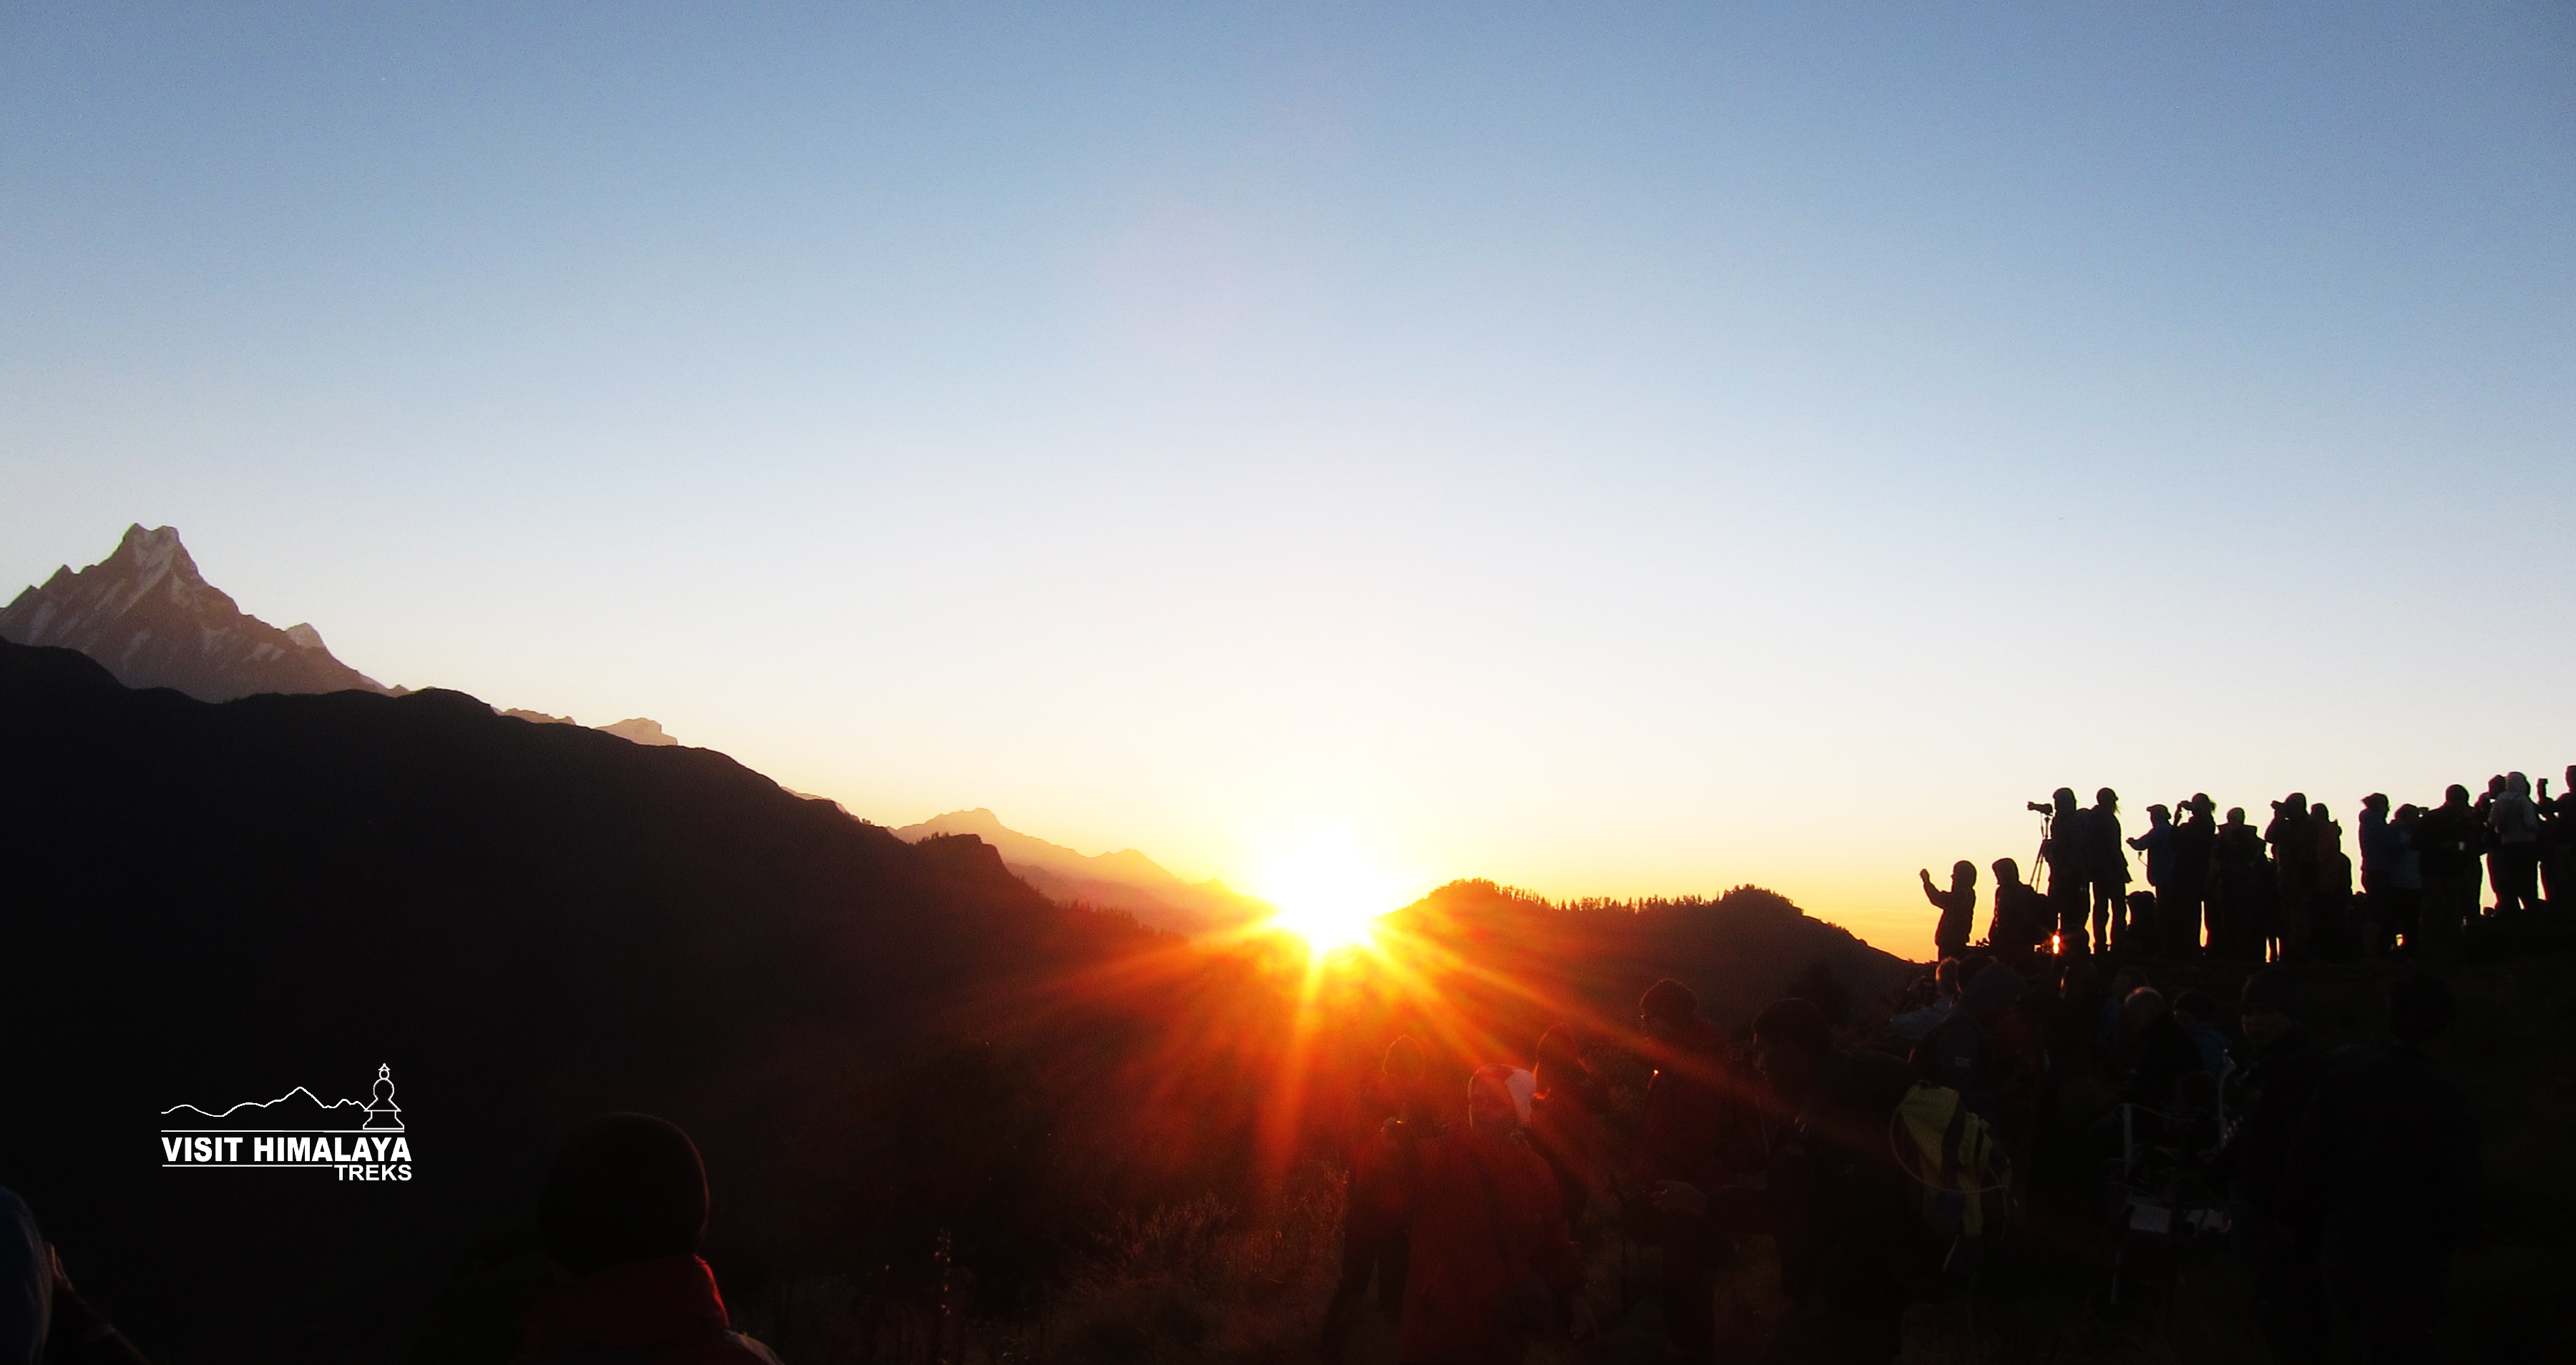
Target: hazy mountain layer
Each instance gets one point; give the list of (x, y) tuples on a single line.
[(1125, 880)]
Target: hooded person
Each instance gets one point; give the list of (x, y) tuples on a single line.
[(2022, 919), (1493, 1262), (623, 1208), (1958, 907)]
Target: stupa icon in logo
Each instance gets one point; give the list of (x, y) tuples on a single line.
[(383, 1115)]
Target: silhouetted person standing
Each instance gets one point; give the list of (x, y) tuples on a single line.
[(2066, 851), (1373, 1236), (2392, 1163), (2283, 1243), (2293, 838), (623, 1209), (2023, 919), (1693, 1131), (2381, 846), (1565, 1117), (2195, 845), (2513, 833), (2157, 843), (1958, 907), (2558, 843), (2243, 918), (2106, 871), (2196, 851), (2330, 905), (2449, 838)]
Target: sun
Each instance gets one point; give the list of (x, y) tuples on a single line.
[(1327, 894)]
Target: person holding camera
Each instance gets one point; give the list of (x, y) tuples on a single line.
[(2065, 851)]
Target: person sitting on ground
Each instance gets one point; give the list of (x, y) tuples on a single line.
[(1915, 1023), (623, 1208), (1493, 1262), (1958, 907), (2197, 1015), (42, 1318), (1986, 1051)]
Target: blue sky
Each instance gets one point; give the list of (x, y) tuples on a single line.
[(1608, 450)]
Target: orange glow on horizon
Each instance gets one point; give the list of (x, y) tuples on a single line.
[(1328, 895)]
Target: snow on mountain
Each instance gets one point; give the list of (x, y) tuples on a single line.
[(147, 615)]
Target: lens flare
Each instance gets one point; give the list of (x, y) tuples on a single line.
[(1327, 894)]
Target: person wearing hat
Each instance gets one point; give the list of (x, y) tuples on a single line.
[(622, 1209), (2195, 849), (2281, 1240)]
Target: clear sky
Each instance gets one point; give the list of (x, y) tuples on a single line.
[(1609, 449)]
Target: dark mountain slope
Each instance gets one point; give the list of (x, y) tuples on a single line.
[(1738, 952), (529, 923)]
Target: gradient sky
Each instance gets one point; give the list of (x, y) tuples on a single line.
[(1612, 450)]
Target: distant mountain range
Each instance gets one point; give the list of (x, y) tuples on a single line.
[(297, 1109), (1125, 880), (149, 616)]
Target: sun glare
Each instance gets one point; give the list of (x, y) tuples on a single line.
[(1327, 894)]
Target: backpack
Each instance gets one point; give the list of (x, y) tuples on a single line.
[(1962, 1178)]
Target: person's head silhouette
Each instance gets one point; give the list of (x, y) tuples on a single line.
[(2064, 799), (624, 1187), (2007, 872), (2107, 799)]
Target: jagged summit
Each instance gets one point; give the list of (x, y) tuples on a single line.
[(153, 620)]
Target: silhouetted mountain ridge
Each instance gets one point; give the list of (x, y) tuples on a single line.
[(1737, 952), (531, 923)]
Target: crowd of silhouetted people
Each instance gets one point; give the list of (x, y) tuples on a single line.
[(2289, 890), (2018, 1121)]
